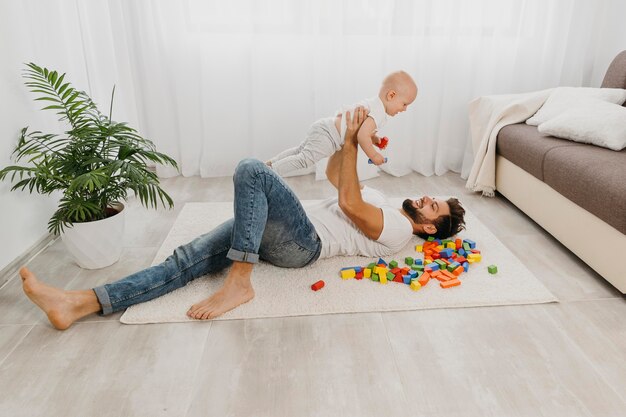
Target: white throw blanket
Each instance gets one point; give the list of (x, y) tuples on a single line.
[(488, 115)]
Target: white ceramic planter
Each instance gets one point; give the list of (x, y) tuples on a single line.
[(98, 244)]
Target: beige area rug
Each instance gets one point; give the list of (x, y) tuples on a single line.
[(282, 292)]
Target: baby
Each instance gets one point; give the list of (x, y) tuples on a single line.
[(326, 136)]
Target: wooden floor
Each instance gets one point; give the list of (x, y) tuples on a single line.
[(566, 359)]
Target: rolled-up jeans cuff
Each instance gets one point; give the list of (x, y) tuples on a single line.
[(239, 256), (104, 300)]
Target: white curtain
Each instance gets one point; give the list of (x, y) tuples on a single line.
[(212, 82)]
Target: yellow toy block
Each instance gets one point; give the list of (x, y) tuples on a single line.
[(451, 245), (440, 247), (415, 285), (348, 273), (380, 270), (367, 273), (477, 257), (383, 278), (419, 248)]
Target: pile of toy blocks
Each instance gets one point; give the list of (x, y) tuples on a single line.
[(444, 260)]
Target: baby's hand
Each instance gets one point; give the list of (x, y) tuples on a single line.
[(378, 159)]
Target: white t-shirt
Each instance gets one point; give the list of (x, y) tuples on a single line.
[(373, 104), (340, 236)]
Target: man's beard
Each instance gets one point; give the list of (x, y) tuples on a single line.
[(407, 206)]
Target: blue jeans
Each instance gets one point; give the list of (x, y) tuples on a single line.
[(269, 224)]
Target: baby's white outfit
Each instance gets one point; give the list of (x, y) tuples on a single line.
[(322, 140)]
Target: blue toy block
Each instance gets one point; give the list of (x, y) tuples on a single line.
[(465, 266), (433, 266), (381, 261), (413, 274), (406, 279), (471, 243), (418, 262), (446, 253), (461, 252)]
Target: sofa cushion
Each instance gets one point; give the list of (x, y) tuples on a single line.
[(526, 147), (592, 177), (615, 76)]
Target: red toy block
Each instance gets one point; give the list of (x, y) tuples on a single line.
[(383, 142), (359, 275), (435, 255), (318, 285), (399, 279), (474, 251), (395, 271)]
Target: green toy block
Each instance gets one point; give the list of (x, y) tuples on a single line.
[(493, 269), (375, 277), (466, 247), (371, 266), (408, 260), (418, 268), (393, 264), (430, 239), (441, 263), (390, 276)]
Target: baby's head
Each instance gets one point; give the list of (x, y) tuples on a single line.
[(397, 92)]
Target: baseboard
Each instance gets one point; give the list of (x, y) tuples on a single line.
[(10, 271), (569, 223)]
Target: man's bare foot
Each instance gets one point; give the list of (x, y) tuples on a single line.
[(62, 307), (231, 295)]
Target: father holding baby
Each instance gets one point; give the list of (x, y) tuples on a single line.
[(269, 224)]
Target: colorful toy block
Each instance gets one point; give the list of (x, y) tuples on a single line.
[(466, 266), (348, 273), (433, 266), (493, 269), (471, 243), (423, 280), (451, 283), (419, 248), (390, 276), (458, 271), (367, 273), (415, 285), (375, 277), (383, 143), (318, 285), (408, 260), (406, 279), (359, 275), (383, 278), (393, 264), (381, 261)]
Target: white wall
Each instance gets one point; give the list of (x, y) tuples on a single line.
[(24, 217), (611, 40)]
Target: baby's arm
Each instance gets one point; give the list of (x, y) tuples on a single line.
[(364, 137)]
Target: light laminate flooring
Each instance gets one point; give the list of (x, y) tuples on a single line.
[(564, 359)]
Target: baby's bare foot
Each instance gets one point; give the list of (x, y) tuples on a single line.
[(61, 307)]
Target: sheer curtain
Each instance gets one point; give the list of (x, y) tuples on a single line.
[(212, 82)]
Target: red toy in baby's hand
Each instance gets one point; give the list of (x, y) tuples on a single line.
[(383, 142)]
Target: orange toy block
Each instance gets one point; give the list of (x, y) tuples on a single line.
[(448, 274), (458, 271), (451, 283), (423, 280), (458, 243)]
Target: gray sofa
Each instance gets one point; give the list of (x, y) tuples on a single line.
[(576, 192)]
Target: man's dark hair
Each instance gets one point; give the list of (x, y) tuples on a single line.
[(448, 225)]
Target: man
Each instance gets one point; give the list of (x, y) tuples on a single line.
[(269, 224)]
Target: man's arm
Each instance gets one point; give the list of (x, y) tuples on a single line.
[(364, 137), (368, 218)]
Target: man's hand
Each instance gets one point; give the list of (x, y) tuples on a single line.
[(354, 124)]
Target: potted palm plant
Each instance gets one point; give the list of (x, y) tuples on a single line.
[(94, 164)]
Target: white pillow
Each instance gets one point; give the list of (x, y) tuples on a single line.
[(564, 98), (596, 122)]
